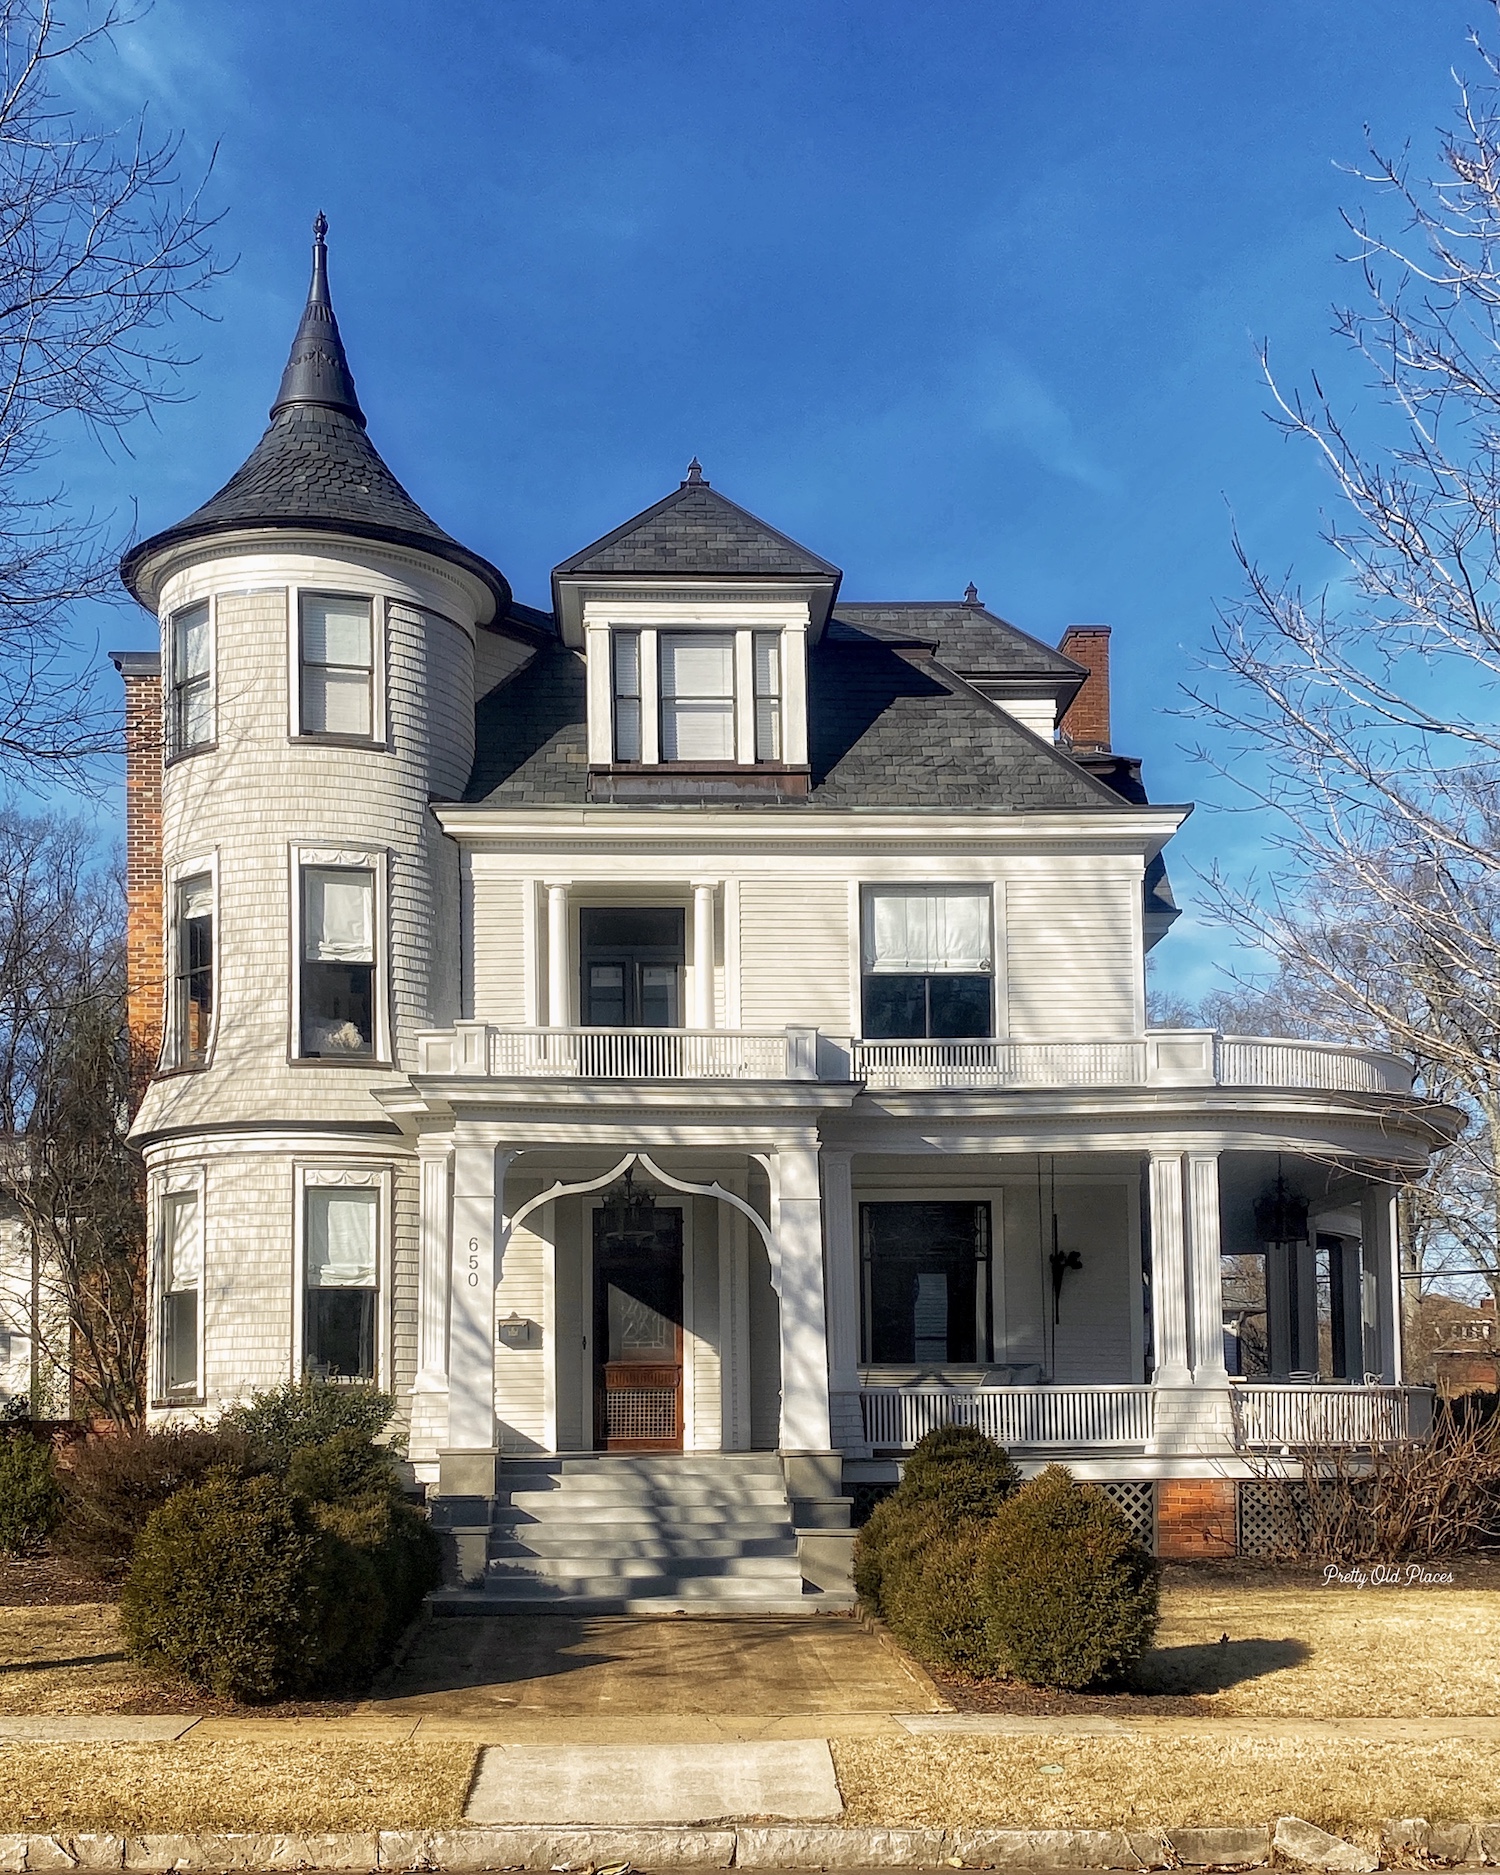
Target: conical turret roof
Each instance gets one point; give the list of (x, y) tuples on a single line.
[(315, 467)]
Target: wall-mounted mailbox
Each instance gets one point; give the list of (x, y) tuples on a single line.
[(514, 1331)]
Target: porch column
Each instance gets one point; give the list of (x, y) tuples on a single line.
[(557, 954), (841, 1274), (1378, 1251), (429, 1406), (1169, 1321), (1205, 1269), (797, 1227), (703, 954), (478, 1192)]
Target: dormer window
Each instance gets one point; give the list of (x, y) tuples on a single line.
[(711, 699)]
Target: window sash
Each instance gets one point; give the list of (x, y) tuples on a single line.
[(626, 655), (927, 933), (337, 660), (195, 968), (182, 1243), (192, 681), (767, 665), (342, 1237), (338, 914)]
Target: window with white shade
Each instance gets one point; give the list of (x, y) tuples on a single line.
[(767, 655), (337, 665), (928, 963), (627, 693), (697, 696), (341, 1282), (181, 1286), (191, 713), (337, 978), (193, 978)]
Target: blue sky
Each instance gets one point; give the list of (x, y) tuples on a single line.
[(965, 289)]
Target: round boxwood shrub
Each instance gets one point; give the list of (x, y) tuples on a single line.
[(239, 1587), (30, 1500), (283, 1420), (955, 1476), (933, 1605), (1070, 1596), (116, 1480)]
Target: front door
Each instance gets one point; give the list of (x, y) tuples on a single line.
[(638, 1336)]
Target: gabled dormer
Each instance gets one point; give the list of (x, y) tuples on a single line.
[(694, 620)]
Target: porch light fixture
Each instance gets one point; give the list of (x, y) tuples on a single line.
[(627, 1213)]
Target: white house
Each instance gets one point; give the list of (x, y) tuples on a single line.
[(705, 1018)]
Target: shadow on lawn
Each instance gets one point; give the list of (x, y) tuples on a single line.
[(1214, 1666)]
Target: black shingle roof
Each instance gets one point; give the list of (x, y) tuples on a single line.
[(968, 638), (315, 467), (697, 530), (886, 730)]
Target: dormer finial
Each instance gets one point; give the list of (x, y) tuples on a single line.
[(695, 476), (971, 594)]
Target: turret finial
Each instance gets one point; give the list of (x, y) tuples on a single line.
[(317, 372), (695, 476)]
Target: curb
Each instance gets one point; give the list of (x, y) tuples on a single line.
[(1406, 1842)]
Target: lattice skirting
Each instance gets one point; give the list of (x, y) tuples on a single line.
[(1137, 1498), (1272, 1516), (866, 1497)]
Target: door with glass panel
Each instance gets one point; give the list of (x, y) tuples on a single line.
[(925, 1267), (632, 967), (638, 1334)]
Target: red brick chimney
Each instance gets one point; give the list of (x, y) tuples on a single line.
[(1085, 722), (141, 671)]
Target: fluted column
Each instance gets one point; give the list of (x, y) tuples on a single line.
[(1205, 1269), (703, 954), (557, 954), (1169, 1318)]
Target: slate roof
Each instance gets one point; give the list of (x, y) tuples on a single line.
[(886, 730), (968, 638), (697, 530), (315, 468)]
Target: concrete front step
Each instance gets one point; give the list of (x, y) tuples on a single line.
[(594, 1563), (461, 1602), (545, 1542), (687, 1528), (623, 1497)]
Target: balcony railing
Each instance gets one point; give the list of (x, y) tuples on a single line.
[(1160, 1058), (1283, 1418), (1018, 1418)]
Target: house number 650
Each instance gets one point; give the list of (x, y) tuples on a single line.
[(473, 1262)]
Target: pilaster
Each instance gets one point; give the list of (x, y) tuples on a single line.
[(1169, 1319)]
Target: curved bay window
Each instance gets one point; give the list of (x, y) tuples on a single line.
[(928, 963), (342, 1281), (925, 1280)]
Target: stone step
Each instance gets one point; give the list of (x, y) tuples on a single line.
[(708, 1568), (594, 1498), (732, 1590), (474, 1602), (542, 1540), (650, 1464)]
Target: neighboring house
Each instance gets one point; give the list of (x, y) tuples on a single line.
[(707, 1017)]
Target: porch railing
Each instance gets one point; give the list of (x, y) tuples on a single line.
[(1283, 1417), (895, 1418), (620, 1054)]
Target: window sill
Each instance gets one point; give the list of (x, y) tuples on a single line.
[(308, 738), (186, 755), (174, 1070), (340, 1061), (178, 1399)]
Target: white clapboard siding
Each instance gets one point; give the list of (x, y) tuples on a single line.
[(703, 1349), (497, 945), (1091, 1338), (1071, 966), (521, 1373), (794, 953)]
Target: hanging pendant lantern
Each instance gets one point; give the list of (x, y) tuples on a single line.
[(1280, 1215), (627, 1213)]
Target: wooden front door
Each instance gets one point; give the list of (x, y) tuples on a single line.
[(638, 1336)]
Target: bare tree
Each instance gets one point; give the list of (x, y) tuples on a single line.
[(67, 1092), (100, 245), (1365, 715)]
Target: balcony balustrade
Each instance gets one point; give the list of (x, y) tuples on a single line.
[(1160, 1058)]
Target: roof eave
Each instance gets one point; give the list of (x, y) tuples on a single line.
[(570, 590)]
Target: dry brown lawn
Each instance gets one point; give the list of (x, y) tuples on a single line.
[(1315, 1652), (1162, 1783), (307, 1785), (66, 1660)]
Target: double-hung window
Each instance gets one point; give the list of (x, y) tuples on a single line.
[(181, 1291), (193, 987), (697, 696), (767, 654), (928, 962), (191, 713), (337, 983), (341, 1226), (337, 665)]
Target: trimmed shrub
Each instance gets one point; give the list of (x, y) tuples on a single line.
[(1070, 1596), (30, 1501), (306, 1412), (932, 1603), (956, 1476), (115, 1482), (240, 1588)]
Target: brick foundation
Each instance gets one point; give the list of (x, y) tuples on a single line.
[(143, 862), (1195, 1517)]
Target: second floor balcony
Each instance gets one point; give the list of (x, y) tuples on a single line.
[(1161, 1058)]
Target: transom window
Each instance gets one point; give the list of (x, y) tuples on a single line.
[(338, 977), (191, 724), (337, 665), (926, 1284), (928, 963), (194, 987), (342, 1281)]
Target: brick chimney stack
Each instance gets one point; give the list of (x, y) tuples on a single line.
[(1085, 723), (141, 671)]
